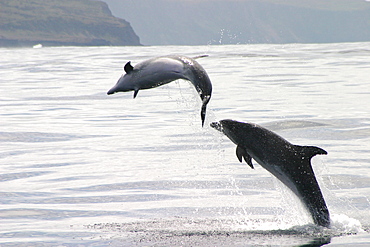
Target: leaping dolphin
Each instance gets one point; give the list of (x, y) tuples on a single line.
[(162, 70), (291, 164)]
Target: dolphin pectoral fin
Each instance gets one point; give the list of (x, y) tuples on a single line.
[(239, 153), (128, 67), (135, 93), (242, 153), (248, 159)]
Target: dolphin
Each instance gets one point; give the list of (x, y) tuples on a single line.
[(289, 163), (158, 71)]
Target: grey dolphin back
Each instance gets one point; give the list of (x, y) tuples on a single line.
[(162, 70), (200, 80)]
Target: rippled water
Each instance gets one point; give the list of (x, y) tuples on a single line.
[(78, 167)]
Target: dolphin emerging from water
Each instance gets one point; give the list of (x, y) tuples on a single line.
[(291, 164), (162, 70)]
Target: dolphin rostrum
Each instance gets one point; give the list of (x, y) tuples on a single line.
[(162, 70), (289, 163)]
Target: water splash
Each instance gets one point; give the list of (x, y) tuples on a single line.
[(342, 224)]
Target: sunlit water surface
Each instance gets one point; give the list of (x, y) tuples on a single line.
[(79, 167)]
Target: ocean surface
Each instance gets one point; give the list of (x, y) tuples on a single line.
[(81, 168)]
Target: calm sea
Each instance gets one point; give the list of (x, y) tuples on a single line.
[(81, 168)]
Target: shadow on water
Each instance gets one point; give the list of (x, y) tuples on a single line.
[(186, 232)]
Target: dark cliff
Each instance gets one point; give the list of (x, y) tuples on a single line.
[(67, 22)]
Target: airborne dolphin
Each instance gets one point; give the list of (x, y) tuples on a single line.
[(162, 70), (291, 164)]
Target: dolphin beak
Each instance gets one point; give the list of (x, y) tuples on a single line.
[(111, 91), (217, 126), (115, 88)]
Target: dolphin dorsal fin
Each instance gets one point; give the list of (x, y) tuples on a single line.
[(242, 153), (311, 151), (128, 67)]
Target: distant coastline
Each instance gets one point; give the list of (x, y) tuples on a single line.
[(181, 22), (62, 23), (204, 22)]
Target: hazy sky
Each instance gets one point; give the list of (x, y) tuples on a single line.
[(188, 22)]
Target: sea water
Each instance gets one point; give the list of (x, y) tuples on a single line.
[(81, 168)]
